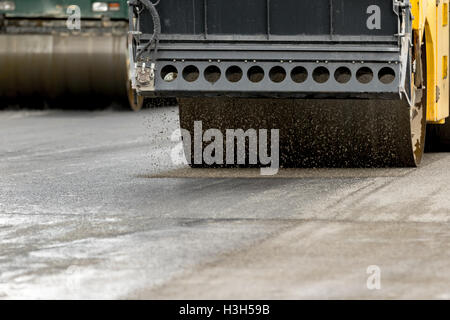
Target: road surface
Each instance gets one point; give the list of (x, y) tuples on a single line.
[(91, 206)]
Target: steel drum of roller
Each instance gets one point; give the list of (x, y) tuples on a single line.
[(63, 67), (320, 133)]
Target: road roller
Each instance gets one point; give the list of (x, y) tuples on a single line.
[(345, 83), (66, 52)]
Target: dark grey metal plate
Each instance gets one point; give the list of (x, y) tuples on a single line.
[(266, 85)]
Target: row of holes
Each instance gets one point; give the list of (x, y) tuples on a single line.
[(278, 74)]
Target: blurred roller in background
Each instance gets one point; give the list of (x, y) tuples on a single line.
[(47, 54), (347, 83)]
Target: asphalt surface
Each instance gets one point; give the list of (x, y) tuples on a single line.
[(91, 206)]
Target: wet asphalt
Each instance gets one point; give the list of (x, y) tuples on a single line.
[(91, 206)]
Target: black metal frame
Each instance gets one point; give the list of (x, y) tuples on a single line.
[(330, 50)]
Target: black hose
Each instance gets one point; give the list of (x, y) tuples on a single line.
[(151, 7)]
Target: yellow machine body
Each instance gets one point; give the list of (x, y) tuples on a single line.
[(431, 24)]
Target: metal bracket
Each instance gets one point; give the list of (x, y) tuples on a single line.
[(145, 77)]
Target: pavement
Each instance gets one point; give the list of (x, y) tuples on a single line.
[(91, 206)]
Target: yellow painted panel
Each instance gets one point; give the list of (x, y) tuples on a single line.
[(430, 38), (436, 29), (443, 36)]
